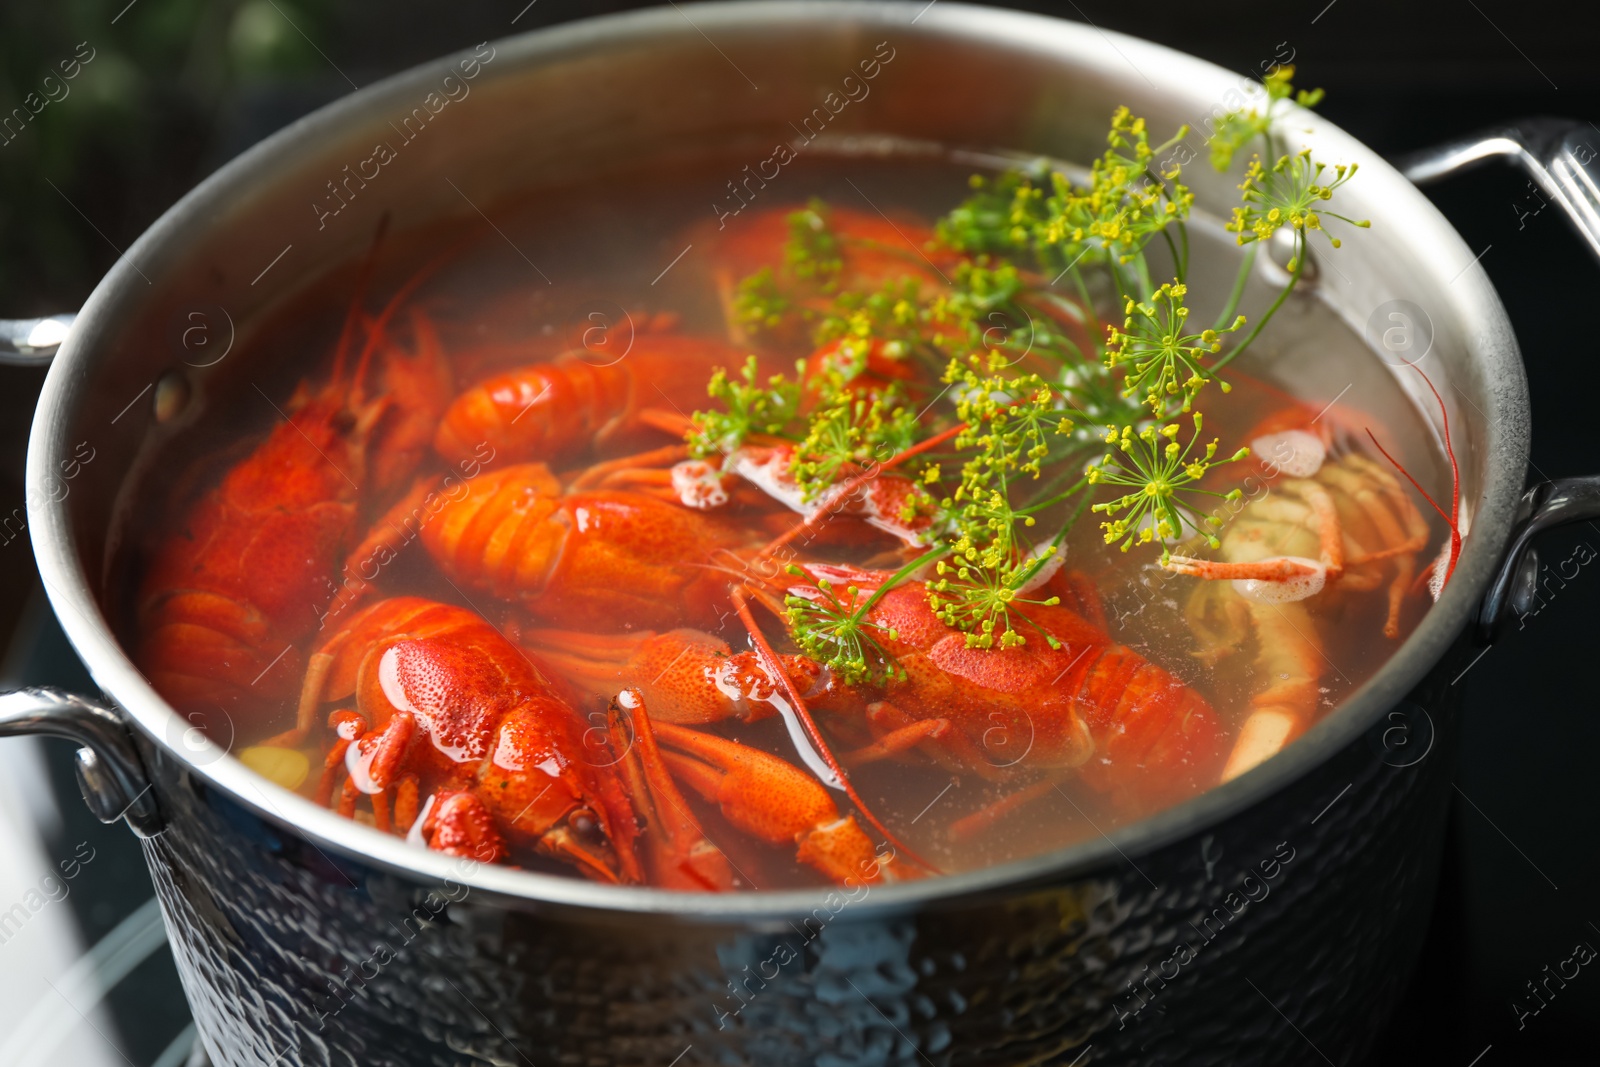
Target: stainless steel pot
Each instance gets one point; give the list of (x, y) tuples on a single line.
[(1274, 915)]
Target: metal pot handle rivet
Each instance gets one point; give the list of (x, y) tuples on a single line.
[(1557, 154), (109, 771)]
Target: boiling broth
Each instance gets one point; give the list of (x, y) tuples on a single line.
[(599, 268)]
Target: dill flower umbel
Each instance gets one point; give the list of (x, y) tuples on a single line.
[(1162, 474), (985, 602), (1157, 358), (1288, 195), (751, 407), (838, 633), (1239, 128)]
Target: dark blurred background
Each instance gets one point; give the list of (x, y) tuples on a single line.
[(174, 88)]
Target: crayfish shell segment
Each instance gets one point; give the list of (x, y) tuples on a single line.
[(698, 485), (1284, 590), (768, 470), (1294, 452)]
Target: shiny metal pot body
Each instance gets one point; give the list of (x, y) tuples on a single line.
[(1273, 914)]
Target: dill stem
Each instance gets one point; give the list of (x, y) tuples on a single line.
[(1294, 279), (1035, 508), (1043, 299), (899, 576), (1177, 260), (1074, 450), (1083, 294), (1232, 307), (1055, 542), (1141, 275)]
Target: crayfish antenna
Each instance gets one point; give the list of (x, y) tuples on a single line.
[(1453, 518), (774, 666), (760, 576), (352, 315), (310, 700), (379, 327)]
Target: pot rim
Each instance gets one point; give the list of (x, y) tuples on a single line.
[(70, 593)]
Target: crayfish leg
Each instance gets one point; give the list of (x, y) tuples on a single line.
[(679, 854), (348, 797), (970, 826), (951, 749), (562, 843), (405, 802), (1262, 736), (898, 740), (1288, 653), (381, 817), (776, 802), (652, 460), (1276, 569), (348, 725), (305, 717)]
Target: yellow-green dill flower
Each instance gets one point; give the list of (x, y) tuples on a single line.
[(1161, 475), (1289, 194), (1159, 361)]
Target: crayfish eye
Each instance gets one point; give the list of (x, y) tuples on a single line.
[(583, 822)]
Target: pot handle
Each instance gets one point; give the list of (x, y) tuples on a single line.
[(1516, 584), (32, 342), (110, 773), (1556, 154)]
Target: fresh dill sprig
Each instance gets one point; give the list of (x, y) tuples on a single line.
[(987, 604), (1162, 474), (847, 434), (760, 305), (772, 301), (1010, 424), (1000, 216), (1131, 197), (1238, 128), (838, 634), (813, 250), (1029, 370), (990, 306), (751, 407), (890, 317), (1288, 195), (1160, 362)]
